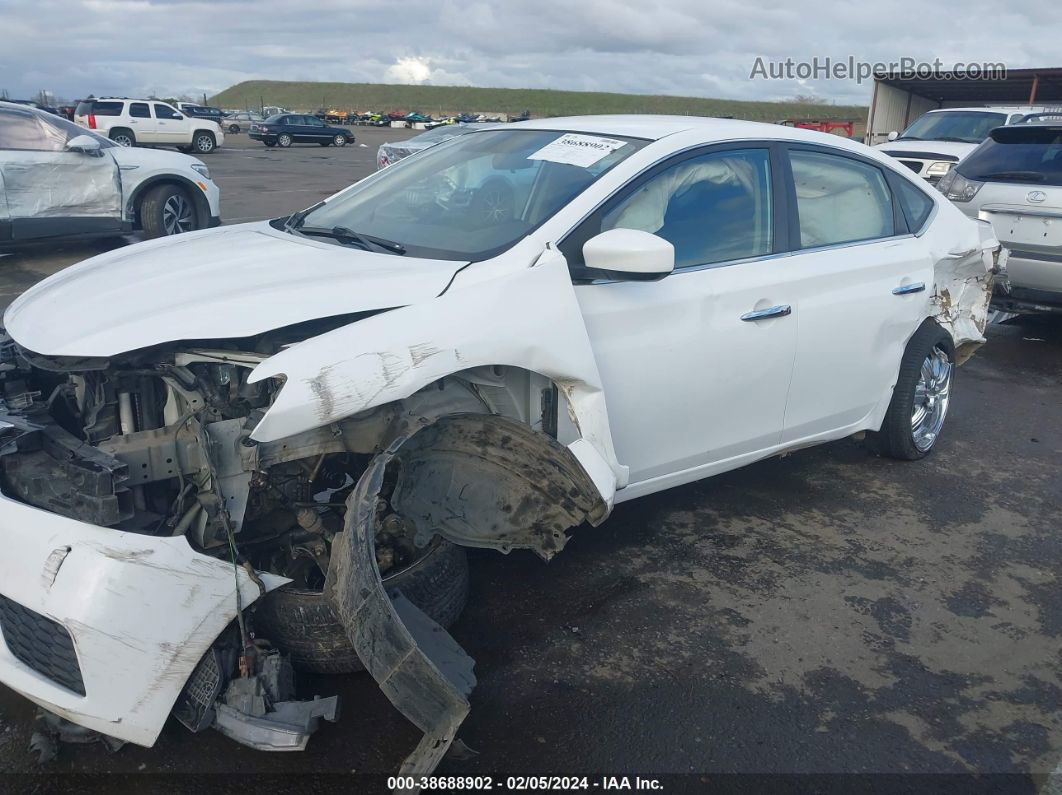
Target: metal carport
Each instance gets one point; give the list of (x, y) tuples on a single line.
[(899, 100)]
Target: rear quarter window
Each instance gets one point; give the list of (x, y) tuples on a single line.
[(915, 203), (106, 109)]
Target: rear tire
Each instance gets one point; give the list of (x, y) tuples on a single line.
[(167, 210), (304, 623), (283, 140), (203, 142), (920, 400), (234, 128), (122, 136)]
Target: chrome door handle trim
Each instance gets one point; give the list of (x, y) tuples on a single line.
[(772, 311), (907, 289)]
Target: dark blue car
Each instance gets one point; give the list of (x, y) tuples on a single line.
[(286, 129)]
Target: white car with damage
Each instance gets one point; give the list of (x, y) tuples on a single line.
[(313, 416)]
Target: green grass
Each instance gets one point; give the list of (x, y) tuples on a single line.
[(447, 100)]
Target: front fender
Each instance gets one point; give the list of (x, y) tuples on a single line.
[(529, 319)]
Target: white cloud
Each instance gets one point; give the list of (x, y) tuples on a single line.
[(412, 70)]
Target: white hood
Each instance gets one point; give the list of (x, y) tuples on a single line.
[(933, 148), (222, 283)]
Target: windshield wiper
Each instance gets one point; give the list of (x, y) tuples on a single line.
[(1019, 176), (908, 138), (295, 220), (954, 140), (344, 235)]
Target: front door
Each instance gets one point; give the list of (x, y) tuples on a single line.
[(172, 127), (696, 366)]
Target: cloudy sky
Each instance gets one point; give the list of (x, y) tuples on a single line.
[(685, 47)]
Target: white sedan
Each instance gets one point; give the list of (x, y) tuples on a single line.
[(484, 345)]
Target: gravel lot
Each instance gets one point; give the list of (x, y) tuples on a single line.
[(828, 612)]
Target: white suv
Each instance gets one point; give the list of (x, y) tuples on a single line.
[(1014, 180), (941, 138), (129, 122), (58, 179)]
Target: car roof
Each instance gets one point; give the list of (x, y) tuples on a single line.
[(993, 109), (20, 107), (707, 129)]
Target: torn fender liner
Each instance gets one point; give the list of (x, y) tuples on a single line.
[(419, 667), (489, 481), (477, 479)]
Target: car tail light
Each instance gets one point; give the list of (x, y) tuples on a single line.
[(92, 121)]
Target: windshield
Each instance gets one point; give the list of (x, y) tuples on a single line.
[(1030, 155), (474, 196), (970, 127)]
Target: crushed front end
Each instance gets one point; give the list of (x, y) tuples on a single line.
[(138, 525)]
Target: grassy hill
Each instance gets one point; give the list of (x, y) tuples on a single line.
[(446, 100)]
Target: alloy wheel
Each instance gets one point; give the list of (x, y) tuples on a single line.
[(177, 215), (931, 397)]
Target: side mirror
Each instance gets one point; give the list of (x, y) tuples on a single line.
[(178, 117), (892, 136), (630, 254), (85, 144)]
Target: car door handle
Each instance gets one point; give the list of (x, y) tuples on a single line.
[(907, 289), (772, 311)]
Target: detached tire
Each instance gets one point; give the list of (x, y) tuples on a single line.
[(304, 623), (167, 210), (920, 400)]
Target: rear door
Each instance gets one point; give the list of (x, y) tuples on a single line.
[(860, 287), (50, 191), (142, 123)]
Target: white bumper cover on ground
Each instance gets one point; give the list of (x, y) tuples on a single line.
[(141, 612)]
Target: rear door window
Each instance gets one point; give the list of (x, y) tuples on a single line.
[(839, 199)]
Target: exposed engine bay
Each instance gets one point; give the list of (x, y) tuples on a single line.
[(157, 442)]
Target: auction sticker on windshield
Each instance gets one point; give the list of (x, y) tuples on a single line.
[(577, 150)]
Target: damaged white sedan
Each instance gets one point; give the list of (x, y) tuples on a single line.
[(263, 447)]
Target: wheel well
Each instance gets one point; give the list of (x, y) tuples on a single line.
[(113, 130), (208, 132), (202, 207), (931, 326)]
